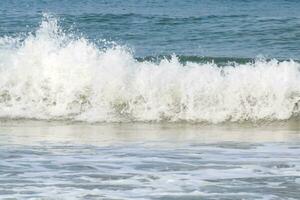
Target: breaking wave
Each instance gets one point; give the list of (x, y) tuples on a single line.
[(55, 76)]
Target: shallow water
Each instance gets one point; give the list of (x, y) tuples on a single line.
[(143, 161)]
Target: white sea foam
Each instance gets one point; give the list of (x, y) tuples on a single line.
[(51, 75)]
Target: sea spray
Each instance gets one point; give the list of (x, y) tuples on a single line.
[(55, 76)]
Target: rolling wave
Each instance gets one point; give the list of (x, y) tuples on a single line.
[(53, 75)]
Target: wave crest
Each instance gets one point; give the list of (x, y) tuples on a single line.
[(52, 75)]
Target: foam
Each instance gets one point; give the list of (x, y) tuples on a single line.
[(55, 75)]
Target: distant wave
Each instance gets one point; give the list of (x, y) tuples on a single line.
[(53, 75), (220, 61)]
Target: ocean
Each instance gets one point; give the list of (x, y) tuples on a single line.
[(169, 99)]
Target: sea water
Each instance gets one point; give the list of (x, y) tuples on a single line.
[(149, 99), (57, 160)]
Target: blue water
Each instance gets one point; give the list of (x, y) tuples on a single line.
[(223, 28), (156, 99)]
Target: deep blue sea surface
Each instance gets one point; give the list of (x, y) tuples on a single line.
[(219, 28)]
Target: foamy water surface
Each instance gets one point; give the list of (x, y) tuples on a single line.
[(59, 161), (149, 100), (51, 74)]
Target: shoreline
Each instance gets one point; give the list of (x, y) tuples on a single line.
[(114, 133)]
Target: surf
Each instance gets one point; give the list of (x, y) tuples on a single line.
[(53, 75)]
